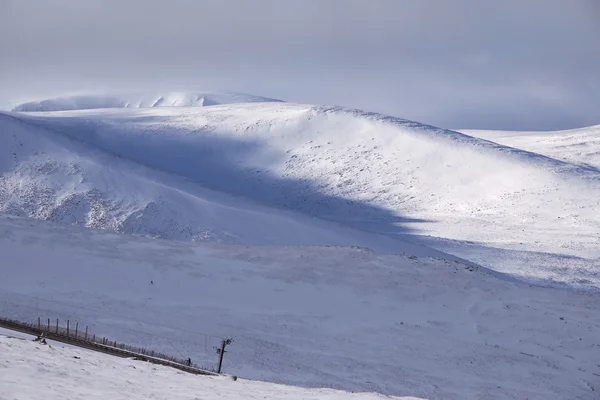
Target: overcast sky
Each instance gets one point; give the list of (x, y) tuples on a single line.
[(497, 64)]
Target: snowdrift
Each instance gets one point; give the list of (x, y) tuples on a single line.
[(168, 99)]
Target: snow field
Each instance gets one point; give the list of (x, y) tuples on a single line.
[(335, 317), (31, 371)]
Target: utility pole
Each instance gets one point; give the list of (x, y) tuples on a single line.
[(221, 352)]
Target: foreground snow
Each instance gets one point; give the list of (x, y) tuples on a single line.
[(344, 318), (53, 372)]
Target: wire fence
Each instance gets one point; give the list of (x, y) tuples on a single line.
[(79, 335), (176, 336)]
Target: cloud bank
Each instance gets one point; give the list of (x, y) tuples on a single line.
[(462, 64)]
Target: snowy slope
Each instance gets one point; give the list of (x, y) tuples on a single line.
[(513, 210), (580, 146), (59, 372), (49, 176), (161, 99), (308, 316)]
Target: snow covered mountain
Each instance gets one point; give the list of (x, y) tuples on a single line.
[(47, 175), (513, 210)]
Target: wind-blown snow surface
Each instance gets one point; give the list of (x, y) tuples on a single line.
[(46, 175), (30, 370), (516, 211), (168, 99), (579, 146), (309, 316)]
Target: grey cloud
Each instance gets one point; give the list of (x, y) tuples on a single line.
[(464, 63)]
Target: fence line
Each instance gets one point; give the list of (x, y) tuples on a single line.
[(97, 311), (172, 339), (51, 329)]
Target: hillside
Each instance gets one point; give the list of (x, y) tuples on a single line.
[(513, 210), (98, 376), (342, 318), (48, 176), (580, 146)]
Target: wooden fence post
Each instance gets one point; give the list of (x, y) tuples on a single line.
[(67, 327), (39, 323), (221, 353), (56, 325), (76, 328), (86, 332), (48, 324)]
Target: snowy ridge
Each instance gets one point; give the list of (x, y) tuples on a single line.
[(580, 146), (167, 99), (509, 209)]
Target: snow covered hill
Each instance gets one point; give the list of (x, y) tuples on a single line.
[(333, 317), (513, 210), (168, 99), (58, 372), (49, 176), (580, 146)]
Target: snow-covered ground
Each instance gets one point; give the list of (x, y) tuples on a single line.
[(331, 244), (333, 317), (516, 211), (579, 146), (53, 372), (48, 176)]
